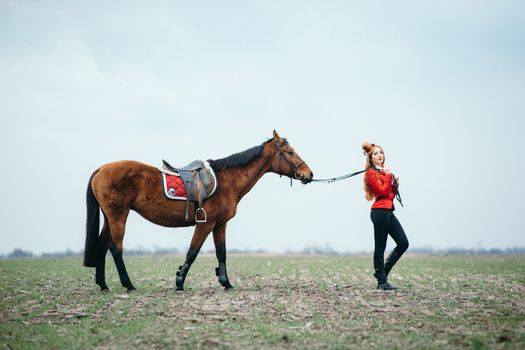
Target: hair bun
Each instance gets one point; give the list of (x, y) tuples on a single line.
[(367, 147)]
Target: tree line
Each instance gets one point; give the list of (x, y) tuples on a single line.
[(309, 250)]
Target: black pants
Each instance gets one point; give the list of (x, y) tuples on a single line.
[(385, 222)]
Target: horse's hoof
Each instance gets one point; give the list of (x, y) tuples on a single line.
[(179, 283), (129, 287), (104, 290), (225, 282), (132, 290), (179, 289)]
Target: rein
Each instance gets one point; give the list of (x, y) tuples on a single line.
[(398, 195), (295, 167), (342, 177)]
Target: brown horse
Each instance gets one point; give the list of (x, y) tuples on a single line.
[(118, 187)]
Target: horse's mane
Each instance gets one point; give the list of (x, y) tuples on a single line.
[(238, 159)]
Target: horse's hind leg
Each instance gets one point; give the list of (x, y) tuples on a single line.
[(121, 268), (103, 244), (117, 229), (199, 236), (219, 238)]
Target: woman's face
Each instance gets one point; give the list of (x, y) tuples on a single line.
[(378, 157)]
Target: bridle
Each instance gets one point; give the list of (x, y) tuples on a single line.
[(295, 167)]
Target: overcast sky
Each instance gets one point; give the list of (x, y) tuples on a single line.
[(439, 84)]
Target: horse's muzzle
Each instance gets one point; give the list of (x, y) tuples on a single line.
[(303, 178)]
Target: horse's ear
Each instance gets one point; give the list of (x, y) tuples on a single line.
[(276, 136)]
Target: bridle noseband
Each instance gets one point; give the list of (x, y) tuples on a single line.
[(295, 167)]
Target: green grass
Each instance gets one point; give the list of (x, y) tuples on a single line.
[(278, 302)]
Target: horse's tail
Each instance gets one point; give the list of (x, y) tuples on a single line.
[(92, 226)]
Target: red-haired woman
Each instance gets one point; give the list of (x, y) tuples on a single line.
[(382, 185)]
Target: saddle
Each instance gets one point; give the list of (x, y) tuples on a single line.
[(199, 181)]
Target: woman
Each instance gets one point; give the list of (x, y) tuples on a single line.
[(382, 185)]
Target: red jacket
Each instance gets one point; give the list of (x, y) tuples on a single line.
[(382, 188)]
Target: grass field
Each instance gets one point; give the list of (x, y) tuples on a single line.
[(278, 302)]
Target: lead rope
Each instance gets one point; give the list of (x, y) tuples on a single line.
[(342, 177), (398, 195)]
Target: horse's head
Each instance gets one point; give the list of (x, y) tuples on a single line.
[(287, 162)]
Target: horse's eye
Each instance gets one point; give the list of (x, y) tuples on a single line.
[(290, 153)]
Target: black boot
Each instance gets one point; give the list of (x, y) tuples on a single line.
[(181, 276), (391, 261), (223, 276), (382, 282)]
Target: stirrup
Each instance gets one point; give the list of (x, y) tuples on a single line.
[(197, 215)]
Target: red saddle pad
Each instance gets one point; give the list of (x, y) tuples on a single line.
[(173, 187)]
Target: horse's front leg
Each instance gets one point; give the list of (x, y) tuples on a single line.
[(219, 238), (199, 236)]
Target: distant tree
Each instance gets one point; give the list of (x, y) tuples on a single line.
[(19, 253)]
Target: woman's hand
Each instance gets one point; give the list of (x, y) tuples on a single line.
[(387, 171), (396, 178)]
